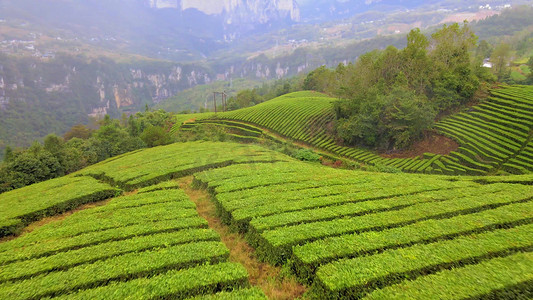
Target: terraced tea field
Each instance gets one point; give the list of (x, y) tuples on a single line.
[(150, 245), (495, 136), (144, 168), (32, 203), (353, 234), (344, 234)]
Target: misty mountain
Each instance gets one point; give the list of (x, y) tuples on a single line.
[(184, 30), (187, 30)]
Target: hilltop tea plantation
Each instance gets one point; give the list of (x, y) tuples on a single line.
[(495, 137), (239, 219)]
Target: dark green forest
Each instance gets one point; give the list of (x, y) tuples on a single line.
[(42, 97), (82, 146)]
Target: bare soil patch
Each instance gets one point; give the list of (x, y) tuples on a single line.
[(432, 143)]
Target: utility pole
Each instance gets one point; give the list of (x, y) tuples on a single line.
[(224, 100), (215, 101)]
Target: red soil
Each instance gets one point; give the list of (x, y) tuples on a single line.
[(433, 143)]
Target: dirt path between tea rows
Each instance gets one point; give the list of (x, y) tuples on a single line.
[(263, 275)]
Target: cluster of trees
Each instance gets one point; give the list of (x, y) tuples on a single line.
[(389, 97), (507, 38), (82, 146), (502, 55), (530, 66)]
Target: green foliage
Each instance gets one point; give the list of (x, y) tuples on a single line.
[(204, 132), (119, 267), (250, 97), (326, 221), (307, 155), (179, 284), (319, 80), (492, 277), (152, 244), (309, 256), (382, 168), (530, 66), (64, 260), (156, 136), (500, 59), (501, 122), (143, 168), (497, 130), (250, 293), (244, 98), (51, 240), (390, 97), (396, 119), (285, 115), (165, 185), (81, 147), (78, 131)]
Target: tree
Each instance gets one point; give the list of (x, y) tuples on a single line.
[(55, 146), (484, 50), (415, 61), (530, 65), (135, 127), (8, 154), (405, 116), (156, 136), (500, 61), (389, 97), (454, 81), (78, 131), (320, 80), (451, 45), (244, 98)]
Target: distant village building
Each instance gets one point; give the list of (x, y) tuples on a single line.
[(47, 56), (487, 63)]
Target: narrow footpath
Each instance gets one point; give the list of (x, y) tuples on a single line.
[(263, 275)]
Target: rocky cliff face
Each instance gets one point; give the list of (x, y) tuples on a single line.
[(236, 11), (159, 4), (102, 87)]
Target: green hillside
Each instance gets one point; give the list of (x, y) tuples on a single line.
[(344, 234), (495, 136)]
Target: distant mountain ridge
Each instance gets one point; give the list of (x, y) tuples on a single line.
[(236, 11)]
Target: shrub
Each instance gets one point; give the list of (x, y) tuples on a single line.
[(307, 155)]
